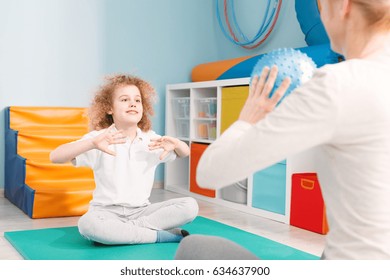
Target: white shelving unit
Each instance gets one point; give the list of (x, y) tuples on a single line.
[(182, 121)]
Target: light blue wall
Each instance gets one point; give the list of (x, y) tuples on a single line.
[(55, 52), (50, 54)]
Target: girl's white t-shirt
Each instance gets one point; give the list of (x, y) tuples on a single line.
[(127, 178)]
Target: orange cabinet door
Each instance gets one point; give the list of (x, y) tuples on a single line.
[(196, 152)]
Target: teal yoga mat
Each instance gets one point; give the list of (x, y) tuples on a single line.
[(65, 243)]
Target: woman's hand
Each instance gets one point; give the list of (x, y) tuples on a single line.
[(109, 137), (258, 103)]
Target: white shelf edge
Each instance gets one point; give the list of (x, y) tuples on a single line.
[(206, 84)]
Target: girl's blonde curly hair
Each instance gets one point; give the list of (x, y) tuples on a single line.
[(102, 102)]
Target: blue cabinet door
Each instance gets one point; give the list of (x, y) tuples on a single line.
[(269, 189)]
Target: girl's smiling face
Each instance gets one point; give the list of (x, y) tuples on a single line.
[(127, 109)]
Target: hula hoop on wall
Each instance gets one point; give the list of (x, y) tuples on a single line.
[(268, 24), (308, 15)]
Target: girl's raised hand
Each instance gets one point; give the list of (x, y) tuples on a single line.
[(109, 137), (166, 143)]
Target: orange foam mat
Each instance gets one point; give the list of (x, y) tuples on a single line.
[(213, 70)]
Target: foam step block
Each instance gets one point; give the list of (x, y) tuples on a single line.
[(61, 198), (46, 140), (34, 184), (38, 170), (47, 117)]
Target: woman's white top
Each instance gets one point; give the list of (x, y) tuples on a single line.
[(343, 113)]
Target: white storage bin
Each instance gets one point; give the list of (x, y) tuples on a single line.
[(181, 107), (182, 128), (206, 107), (206, 129), (236, 193)]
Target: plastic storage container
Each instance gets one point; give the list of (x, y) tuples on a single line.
[(181, 114), (181, 107), (236, 193), (206, 129), (182, 128), (206, 107)]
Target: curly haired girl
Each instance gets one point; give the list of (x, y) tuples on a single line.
[(124, 152)]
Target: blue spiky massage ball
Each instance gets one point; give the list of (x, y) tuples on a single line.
[(291, 63)]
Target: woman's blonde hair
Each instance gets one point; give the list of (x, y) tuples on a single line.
[(102, 101), (377, 12)]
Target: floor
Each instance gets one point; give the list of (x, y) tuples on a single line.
[(12, 219)]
